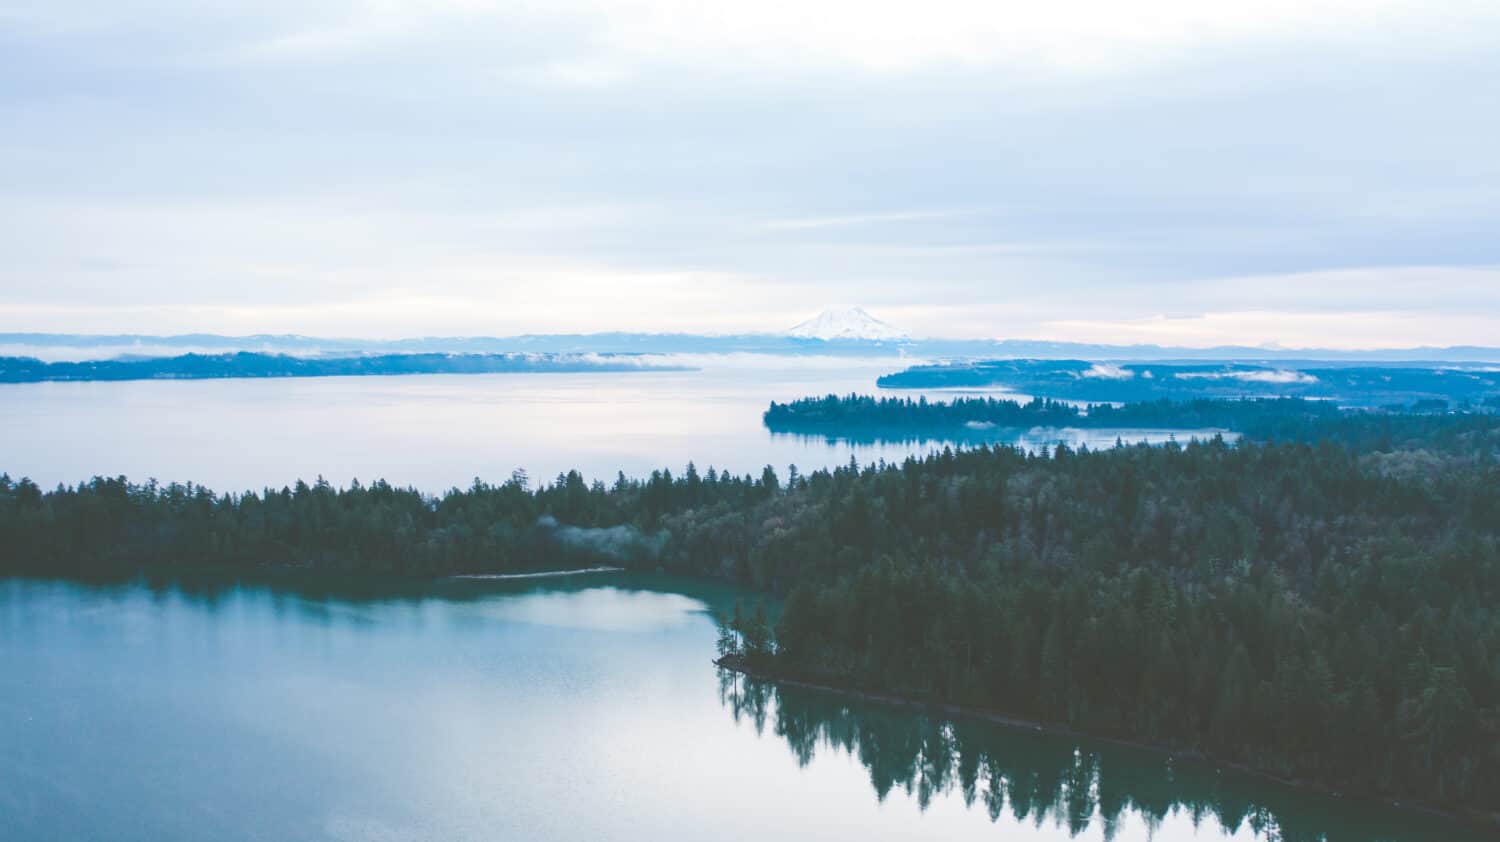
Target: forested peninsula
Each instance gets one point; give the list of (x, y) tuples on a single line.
[(1319, 606), (1363, 384), (862, 417), (251, 364)]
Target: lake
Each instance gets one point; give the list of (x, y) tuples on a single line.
[(544, 709), (436, 432)]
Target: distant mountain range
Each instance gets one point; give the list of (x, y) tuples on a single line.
[(849, 333)]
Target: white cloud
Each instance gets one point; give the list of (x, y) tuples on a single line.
[(883, 37), (1105, 371), (1346, 329), (1278, 376), (1404, 289), (618, 39), (893, 36)]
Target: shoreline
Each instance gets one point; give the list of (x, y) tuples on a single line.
[(1485, 822)]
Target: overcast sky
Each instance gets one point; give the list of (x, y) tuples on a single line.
[(1294, 171)]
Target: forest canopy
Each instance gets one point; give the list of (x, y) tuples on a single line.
[(855, 416), (1362, 384)]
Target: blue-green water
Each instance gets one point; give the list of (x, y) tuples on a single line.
[(556, 709)]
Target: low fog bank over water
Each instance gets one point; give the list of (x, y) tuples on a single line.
[(440, 431)]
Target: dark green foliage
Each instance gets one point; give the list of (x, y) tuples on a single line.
[(981, 420), (1319, 607), (862, 417), (747, 637), (833, 412), (1374, 384), (1308, 611), (111, 526)]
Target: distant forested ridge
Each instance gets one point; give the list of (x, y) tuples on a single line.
[(1080, 380), (247, 364), (962, 418), (1321, 607)]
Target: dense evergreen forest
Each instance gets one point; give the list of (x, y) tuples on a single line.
[(1428, 424), (1319, 606), (1363, 384), (863, 416)]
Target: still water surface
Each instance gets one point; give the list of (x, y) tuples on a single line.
[(557, 709), (441, 431)]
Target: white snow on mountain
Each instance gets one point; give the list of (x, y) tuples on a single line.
[(853, 323)]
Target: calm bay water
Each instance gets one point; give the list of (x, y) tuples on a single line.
[(555, 709), (439, 431)]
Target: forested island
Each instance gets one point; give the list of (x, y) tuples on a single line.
[(1371, 385), (1319, 606), (863, 417), (250, 364)]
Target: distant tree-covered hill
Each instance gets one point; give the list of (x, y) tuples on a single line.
[(862, 417), (246, 364), (1094, 382)]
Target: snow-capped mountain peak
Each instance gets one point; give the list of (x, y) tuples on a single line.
[(853, 323)]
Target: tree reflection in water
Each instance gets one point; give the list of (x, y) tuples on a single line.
[(1050, 779)]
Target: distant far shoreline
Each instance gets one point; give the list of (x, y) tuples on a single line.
[(246, 365)]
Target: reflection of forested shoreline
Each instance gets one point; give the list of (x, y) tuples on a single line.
[(1042, 778)]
